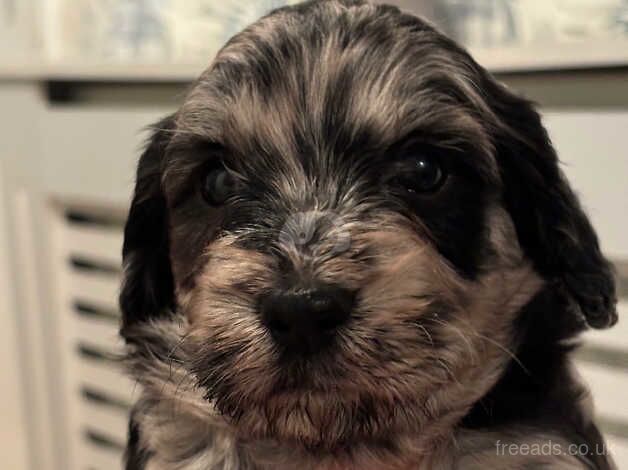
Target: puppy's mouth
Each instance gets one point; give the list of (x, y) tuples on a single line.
[(316, 399)]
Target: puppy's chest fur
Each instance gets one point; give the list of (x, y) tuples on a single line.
[(174, 427), (171, 441)]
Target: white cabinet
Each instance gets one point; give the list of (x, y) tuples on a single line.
[(66, 175)]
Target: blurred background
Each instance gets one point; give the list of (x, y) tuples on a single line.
[(80, 80)]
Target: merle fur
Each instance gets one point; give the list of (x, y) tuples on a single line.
[(552, 228)]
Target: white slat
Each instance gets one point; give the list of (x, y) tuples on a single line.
[(101, 376), (616, 337), (107, 420), (609, 387), (95, 242), (100, 458), (95, 287), (99, 333)]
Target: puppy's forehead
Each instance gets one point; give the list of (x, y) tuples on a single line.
[(333, 77)]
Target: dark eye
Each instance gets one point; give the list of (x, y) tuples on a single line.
[(218, 185), (422, 174)]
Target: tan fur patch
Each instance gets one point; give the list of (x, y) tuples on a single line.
[(422, 347)]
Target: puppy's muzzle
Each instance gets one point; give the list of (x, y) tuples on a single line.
[(305, 320)]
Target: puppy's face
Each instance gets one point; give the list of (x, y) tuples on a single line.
[(340, 233)]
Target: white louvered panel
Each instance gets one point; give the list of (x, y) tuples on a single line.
[(106, 420), (98, 332), (606, 373), (96, 243), (99, 288), (596, 167), (93, 189), (105, 377), (98, 457), (608, 386), (89, 254)]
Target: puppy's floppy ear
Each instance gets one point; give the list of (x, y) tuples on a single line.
[(147, 288), (552, 228)]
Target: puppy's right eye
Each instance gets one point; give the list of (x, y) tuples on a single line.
[(418, 173), (426, 175), (218, 185)]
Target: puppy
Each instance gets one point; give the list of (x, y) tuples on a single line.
[(351, 248)]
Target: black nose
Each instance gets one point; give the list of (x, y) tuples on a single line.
[(304, 320)]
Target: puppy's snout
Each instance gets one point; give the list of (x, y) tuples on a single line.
[(305, 320)]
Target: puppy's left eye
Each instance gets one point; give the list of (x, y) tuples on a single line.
[(422, 174), (218, 185)]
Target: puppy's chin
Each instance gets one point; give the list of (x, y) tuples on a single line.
[(344, 398), (324, 403), (317, 420)]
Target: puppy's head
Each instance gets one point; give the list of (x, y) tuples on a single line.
[(351, 213)]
